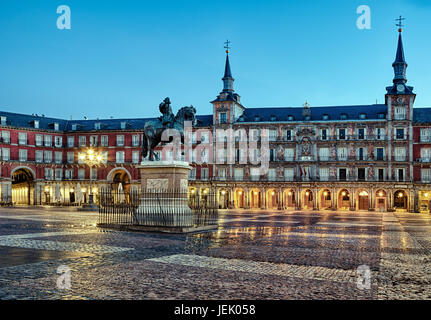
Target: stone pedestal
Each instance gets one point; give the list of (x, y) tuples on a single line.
[(164, 201)]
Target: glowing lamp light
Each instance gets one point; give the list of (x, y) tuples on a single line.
[(255, 193), (273, 193), (343, 193), (307, 193), (205, 191), (400, 195), (325, 193), (240, 192), (223, 192), (426, 195), (193, 191), (380, 194)]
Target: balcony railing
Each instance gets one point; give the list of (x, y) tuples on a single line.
[(303, 180)]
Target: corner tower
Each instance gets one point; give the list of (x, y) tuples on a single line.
[(227, 106)]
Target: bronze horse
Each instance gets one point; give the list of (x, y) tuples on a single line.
[(153, 130)]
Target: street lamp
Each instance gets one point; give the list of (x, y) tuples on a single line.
[(92, 159)]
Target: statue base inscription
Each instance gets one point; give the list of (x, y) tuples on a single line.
[(164, 201)]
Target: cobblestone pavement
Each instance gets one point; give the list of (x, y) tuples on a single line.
[(252, 255)]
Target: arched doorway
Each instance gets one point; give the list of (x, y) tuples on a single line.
[(193, 198), (400, 200), (325, 199), (204, 198), (255, 199), (120, 176), (381, 204), (272, 199), (307, 200), (344, 200), (239, 199), (223, 199), (289, 199), (22, 186), (363, 200)]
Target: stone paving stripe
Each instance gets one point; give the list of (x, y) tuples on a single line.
[(267, 268)]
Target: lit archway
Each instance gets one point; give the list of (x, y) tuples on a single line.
[(325, 199), (272, 199), (22, 186), (289, 200), (239, 199), (223, 199), (255, 199), (344, 200), (381, 200), (363, 200), (307, 199), (400, 200)]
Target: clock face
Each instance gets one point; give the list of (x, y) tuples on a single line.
[(400, 88)]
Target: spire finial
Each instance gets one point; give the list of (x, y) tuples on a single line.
[(226, 46), (400, 23)]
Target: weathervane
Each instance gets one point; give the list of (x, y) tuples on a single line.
[(227, 47), (400, 23)]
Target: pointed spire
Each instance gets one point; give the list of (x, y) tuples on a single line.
[(227, 79), (400, 64)]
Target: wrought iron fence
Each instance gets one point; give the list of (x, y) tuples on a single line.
[(157, 208)]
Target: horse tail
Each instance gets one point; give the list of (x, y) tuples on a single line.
[(145, 145)]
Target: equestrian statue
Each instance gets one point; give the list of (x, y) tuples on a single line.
[(154, 129)]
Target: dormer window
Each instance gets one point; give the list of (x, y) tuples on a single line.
[(273, 118), (290, 118), (123, 125), (36, 124), (343, 116), (3, 121), (381, 116), (307, 118), (400, 113), (325, 117), (256, 118), (56, 126), (363, 116), (74, 127), (97, 126)]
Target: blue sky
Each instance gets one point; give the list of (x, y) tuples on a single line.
[(122, 58)]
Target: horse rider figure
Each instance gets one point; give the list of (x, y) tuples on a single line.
[(168, 117)]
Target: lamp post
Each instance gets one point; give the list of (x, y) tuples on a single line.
[(92, 159)]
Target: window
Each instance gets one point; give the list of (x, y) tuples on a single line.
[(288, 135), (5, 152), (5, 137), (361, 133), (425, 154), (325, 117), (59, 157), (93, 141), (342, 134), (120, 140), (399, 133), (192, 174), (135, 140), (425, 134), (68, 174), (272, 174), (290, 118), (324, 134), (342, 174), (82, 141), (362, 154), (400, 173), (48, 141), (222, 117), (400, 113), (343, 116), (342, 153), (70, 142), (238, 174), (94, 173), (58, 174), (381, 174), (22, 155), (426, 175), (70, 157), (39, 140), (289, 174), (58, 142), (361, 174), (81, 174), (120, 156), (324, 174), (273, 118), (381, 115), (289, 154), (222, 174), (123, 125), (36, 124), (39, 156), (47, 155), (49, 174), (3, 121), (204, 173), (22, 138), (97, 126), (104, 141), (56, 126), (380, 134), (362, 116), (135, 156), (272, 135), (380, 154), (74, 126), (104, 156), (324, 154), (400, 154)]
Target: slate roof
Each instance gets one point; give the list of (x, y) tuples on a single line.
[(317, 113), (422, 115), (46, 123)]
